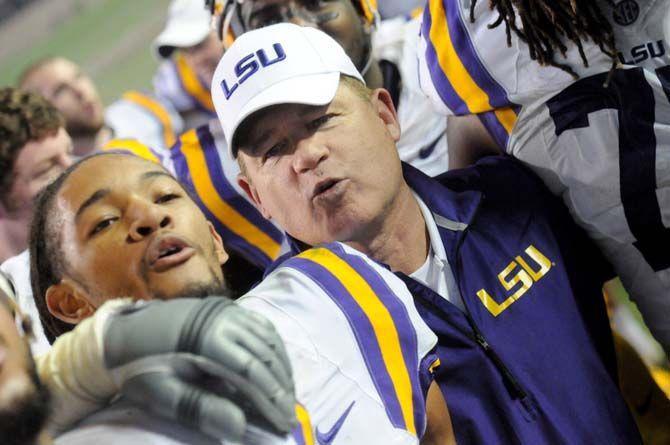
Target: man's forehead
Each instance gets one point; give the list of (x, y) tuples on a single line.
[(107, 172)]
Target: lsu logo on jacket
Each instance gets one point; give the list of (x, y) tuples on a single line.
[(517, 278)]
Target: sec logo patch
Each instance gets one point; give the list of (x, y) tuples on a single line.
[(626, 12)]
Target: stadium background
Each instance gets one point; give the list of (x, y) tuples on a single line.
[(110, 39)]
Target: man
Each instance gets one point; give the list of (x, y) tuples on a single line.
[(200, 161), (24, 401), (164, 248), (135, 115), (549, 95), (110, 359), (317, 151), (34, 150), (389, 63), (189, 50)]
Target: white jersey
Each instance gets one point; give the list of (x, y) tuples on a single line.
[(467, 68), (359, 350), (146, 118), (423, 138), (17, 270), (177, 83), (606, 151)]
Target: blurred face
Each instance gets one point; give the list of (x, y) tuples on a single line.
[(23, 401), (72, 92), (337, 18), (327, 173), (204, 57), (129, 229), (38, 163)]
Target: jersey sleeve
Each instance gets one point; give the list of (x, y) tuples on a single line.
[(355, 342), (145, 118)]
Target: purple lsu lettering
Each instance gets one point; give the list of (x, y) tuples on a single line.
[(249, 65)]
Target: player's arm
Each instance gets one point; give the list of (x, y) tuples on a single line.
[(468, 140), (129, 348), (439, 430)]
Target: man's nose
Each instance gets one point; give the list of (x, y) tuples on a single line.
[(309, 153), (146, 218)]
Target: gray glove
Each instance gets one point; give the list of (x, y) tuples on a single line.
[(209, 363)]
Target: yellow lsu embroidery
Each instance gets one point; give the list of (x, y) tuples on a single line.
[(525, 276)]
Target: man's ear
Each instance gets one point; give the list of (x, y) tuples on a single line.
[(68, 302), (245, 183), (219, 249), (383, 104)]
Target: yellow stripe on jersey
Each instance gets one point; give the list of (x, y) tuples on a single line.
[(475, 98), (206, 191), (192, 84), (155, 108), (132, 146), (382, 323), (305, 424)]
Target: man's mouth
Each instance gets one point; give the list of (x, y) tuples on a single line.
[(324, 187), (167, 252)]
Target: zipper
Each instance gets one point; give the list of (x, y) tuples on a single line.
[(512, 384)]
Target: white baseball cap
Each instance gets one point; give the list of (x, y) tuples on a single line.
[(188, 23), (278, 64)]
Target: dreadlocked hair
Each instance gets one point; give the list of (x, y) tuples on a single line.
[(545, 24)]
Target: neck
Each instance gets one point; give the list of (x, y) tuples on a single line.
[(13, 237), (400, 238), (86, 144), (373, 77)]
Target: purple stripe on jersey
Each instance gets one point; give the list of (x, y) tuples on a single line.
[(227, 192), (403, 324), (440, 80), (466, 52), (495, 128), (363, 331), (230, 239), (298, 435)]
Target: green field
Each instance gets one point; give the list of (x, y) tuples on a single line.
[(110, 39)]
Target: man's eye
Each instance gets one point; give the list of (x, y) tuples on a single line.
[(318, 122), (166, 198), (275, 150), (102, 225)]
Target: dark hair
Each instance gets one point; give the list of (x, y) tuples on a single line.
[(47, 261), (24, 117), (545, 23)]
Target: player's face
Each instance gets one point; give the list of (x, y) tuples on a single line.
[(325, 173), (204, 57), (337, 18), (38, 163), (129, 229), (23, 401), (74, 94)]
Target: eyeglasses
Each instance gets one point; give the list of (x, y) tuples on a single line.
[(23, 321)]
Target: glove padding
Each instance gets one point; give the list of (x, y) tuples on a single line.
[(208, 363)]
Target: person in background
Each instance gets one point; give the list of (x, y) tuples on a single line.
[(135, 115), (189, 52), (34, 149)]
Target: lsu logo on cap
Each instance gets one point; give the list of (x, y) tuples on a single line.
[(250, 65)]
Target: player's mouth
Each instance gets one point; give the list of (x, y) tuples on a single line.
[(166, 252)]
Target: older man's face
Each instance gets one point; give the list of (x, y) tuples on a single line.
[(128, 229), (325, 173)]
